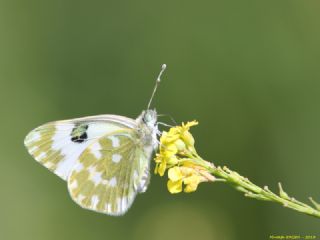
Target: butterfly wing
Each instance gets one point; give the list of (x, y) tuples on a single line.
[(58, 145), (110, 172)]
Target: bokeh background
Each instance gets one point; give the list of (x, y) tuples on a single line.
[(247, 71)]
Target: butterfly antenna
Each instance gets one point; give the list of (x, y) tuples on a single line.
[(163, 67)]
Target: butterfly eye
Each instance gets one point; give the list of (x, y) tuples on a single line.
[(147, 117)]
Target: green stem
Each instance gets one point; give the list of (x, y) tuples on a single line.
[(253, 191)]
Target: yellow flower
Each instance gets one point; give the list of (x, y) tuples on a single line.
[(192, 183), (174, 187), (179, 133), (161, 165), (185, 175), (180, 145), (175, 174), (186, 135), (169, 137), (178, 155)]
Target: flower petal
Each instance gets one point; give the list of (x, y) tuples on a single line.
[(173, 160), (190, 188), (174, 174), (174, 187), (162, 168), (192, 183), (193, 179)]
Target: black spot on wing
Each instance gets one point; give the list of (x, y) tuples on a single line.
[(80, 139), (79, 133)]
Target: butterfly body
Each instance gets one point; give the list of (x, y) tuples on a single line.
[(105, 159)]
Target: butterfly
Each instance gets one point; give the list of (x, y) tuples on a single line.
[(104, 159)]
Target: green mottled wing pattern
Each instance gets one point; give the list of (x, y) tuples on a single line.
[(58, 145), (110, 172), (47, 143), (104, 159)]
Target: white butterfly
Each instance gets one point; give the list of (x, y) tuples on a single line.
[(105, 159)]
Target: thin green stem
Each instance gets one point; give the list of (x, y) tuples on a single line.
[(251, 190)]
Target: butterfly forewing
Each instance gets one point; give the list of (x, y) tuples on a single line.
[(58, 145), (109, 173)]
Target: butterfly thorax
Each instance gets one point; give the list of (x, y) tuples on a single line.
[(147, 128)]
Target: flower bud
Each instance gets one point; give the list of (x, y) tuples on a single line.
[(181, 146), (188, 138), (173, 160)]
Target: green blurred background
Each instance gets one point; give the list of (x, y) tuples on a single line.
[(248, 71)]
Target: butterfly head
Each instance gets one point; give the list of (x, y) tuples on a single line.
[(149, 117)]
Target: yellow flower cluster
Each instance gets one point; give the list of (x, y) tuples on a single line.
[(178, 155), (186, 169)]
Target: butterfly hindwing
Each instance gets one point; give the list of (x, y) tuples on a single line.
[(110, 172), (58, 145)]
